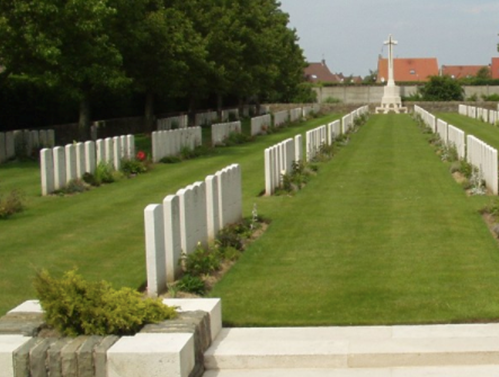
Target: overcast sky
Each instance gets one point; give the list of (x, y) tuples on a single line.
[(349, 34)]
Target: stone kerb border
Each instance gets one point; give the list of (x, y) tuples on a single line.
[(281, 118), (279, 161), (484, 157), (166, 124), (60, 165), (259, 123), (195, 214), (221, 131), (203, 119), (227, 113), (23, 142), (170, 143), (171, 348)]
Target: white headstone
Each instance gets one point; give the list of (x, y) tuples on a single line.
[(47, 171), (155, 250), (173, 246)]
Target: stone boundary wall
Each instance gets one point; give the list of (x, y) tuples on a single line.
[(374, 94), (479, 154), (280, 118), (205, 119), (165, 124), (260, 124), (227, 114), (61, 165), (170, 143), (192, 216), (221, 131), (170, 348), (24, 143)]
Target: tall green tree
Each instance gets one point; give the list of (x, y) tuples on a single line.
[(63, 44)]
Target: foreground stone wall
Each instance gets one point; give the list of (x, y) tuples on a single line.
[(171, 348)]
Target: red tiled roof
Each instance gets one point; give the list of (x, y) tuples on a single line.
[(320, 72), (406, 70), (461, 71), (494, 68)]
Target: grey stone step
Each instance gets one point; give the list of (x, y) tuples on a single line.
[(354, 347)]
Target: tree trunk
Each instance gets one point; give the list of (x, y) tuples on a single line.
[(149, 113), (84, 119)]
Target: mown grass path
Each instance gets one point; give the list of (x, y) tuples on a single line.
[(382, 236), (101, 232)]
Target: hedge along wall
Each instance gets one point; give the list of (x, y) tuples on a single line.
[(61, 165), (195, 214), (260, 124), (24, 142), (479, 154), (221, 131), (170, 143), (165, 124)]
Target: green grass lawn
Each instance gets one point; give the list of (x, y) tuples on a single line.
[(484, 131), (102, 231), (382, 236)]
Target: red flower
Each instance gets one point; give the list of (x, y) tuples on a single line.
[(141, 156)]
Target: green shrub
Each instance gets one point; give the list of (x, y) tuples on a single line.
[(13, 203), (332, 100), (235, 138), (74, 306), (202, 261), (133, 167), (171, 160), (191, 284), (227, 237), (73, 187), (104, 173)]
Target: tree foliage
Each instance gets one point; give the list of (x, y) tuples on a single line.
[(164, 49), (442, 88)]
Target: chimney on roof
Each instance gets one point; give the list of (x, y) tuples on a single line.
[(323, 62)]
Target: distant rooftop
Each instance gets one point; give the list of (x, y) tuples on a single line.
[(408, 69)]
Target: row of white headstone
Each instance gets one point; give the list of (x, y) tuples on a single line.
[(478, 153), (221, 131), (280, 157), (24, 142), (205, 119), (281, 118), (61, 165), (307, 110), (279, 160), (226, 115), (295, 114), (191, 217), (486, 115), (260, 124), (170, 143), (172, 123)]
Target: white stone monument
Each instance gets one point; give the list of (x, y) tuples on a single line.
[(391, 97)]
